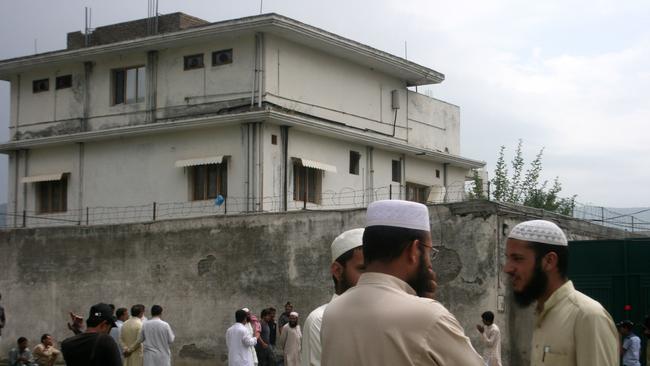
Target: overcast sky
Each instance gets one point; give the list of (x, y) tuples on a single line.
[(570, 76)]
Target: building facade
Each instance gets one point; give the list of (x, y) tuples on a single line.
[(254, 114)]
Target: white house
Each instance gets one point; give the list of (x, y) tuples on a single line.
[(268, 112)]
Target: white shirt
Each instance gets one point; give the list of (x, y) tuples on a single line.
[(239, 342), (492, 339), (156, 336), (632, 347), (311, 345), (115, 332)]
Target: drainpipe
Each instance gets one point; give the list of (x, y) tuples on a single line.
[(80, 170), (25, 172), (16, 155), (255, 70), (444, 179), (152, 85), (88, 69), (370, 173), (17, 122), (258, 79), (260, 164), (284, 135)]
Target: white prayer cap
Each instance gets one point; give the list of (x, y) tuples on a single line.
[(293, 313), (397, 213), (540, 231), (348, 240), (246, 310)]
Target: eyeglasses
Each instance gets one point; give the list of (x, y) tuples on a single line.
[(434, 251)]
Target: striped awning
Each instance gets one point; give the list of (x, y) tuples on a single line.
[(199, 161), (317, 165), (42, 178)]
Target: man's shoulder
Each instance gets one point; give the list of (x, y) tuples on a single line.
[(585, 304), (316, 316)]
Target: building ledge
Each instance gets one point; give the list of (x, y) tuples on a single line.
[(270, 114)]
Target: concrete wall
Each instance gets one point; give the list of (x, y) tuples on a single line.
[(202, 270)]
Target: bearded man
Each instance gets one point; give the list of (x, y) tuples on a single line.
[(388, 319), (290, 340), (347, 266), (571, 328)]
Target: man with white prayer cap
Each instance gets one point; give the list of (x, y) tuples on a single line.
[(384, 320), (347, 266), (571, 329), (291, 340)]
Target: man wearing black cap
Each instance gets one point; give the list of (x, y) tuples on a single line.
[(631, 347), (95, 347)]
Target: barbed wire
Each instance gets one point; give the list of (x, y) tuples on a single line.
[(345, 198)]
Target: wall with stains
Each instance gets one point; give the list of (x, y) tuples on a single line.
[(201, 270)]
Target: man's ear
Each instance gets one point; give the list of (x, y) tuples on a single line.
[(549, 261), (413, 251), (337, 270)]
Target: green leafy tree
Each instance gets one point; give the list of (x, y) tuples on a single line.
[(476, 190), (500, 181), (527, 191)]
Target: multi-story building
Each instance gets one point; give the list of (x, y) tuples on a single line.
[(267, 112)]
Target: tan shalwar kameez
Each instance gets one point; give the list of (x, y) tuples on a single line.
[(290, 340), (381, 322), (574, 330), (128, 337)]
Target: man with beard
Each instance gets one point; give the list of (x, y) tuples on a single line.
[(571, 328), (346, 267), (290, 340), (385, 319)]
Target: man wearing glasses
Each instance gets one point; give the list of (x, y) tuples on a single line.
[(389, 317)]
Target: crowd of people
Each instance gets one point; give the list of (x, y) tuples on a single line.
[(109, 338), (383, 311)]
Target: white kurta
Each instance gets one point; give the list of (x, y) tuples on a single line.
[(311, 345), (290, 339), (251, 332), (492, 339), (156, 337), (239, 342)]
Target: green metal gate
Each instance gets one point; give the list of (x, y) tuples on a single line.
[(617, 274)]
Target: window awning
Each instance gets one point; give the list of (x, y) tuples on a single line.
[(317, 165), (199, 161), (42, 178)]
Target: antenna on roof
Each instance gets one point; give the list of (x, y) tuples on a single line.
[(35, 46), (88, 26), (261, 4), (406, 55), (152, 17)]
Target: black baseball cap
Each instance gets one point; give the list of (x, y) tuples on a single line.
[(625, 324), (99, 312)]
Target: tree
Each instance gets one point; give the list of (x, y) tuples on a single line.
[(527, 191)]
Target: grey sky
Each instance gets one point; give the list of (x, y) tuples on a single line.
[(572, 77)]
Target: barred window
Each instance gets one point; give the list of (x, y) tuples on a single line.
[(307, 183)]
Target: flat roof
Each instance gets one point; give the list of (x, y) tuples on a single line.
[(413, 74)]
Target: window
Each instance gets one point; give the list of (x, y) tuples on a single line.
[(222, 57), (354, 162), (63, 82), (41, 85), (417, 192), (193, 62), (437, 173), (53, 195), (307, 182), (209, 181), (274, 139), (129, 85), (397, 171)]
